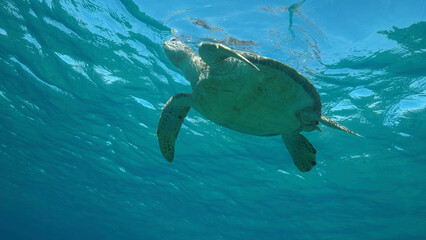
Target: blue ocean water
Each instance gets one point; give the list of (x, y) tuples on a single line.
[(83, 83)]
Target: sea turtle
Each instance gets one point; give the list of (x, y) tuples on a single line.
[(244, 92)]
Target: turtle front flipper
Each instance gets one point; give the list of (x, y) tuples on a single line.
[(301, 150), (212, 53), (171, 119)]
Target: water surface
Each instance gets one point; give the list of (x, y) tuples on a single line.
[(83, 83)]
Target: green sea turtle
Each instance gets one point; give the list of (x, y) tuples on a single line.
[(244, 92)]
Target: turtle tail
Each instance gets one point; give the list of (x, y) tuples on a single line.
[(331, 123)]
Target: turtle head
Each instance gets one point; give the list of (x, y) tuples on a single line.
[(178, 52), (184, 58)]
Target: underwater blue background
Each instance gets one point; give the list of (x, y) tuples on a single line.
[(83, 83)]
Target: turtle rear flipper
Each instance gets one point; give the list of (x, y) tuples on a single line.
[(301, 150), (171, 119)]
